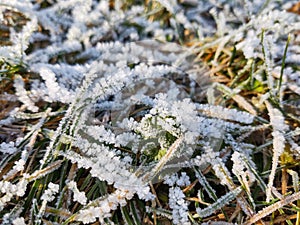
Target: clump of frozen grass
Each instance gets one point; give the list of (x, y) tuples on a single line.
[(109, 117)]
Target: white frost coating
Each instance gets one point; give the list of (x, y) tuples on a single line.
[(225, 199), (22, 94), (179, 206), (103, 207), (48, 195), (19, 221), (79, 196), (8, 148), (9, 190), (227, 114), (279, 128)]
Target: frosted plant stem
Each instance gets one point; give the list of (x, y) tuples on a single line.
[(272, 175), (277, 122), (150, 175), (295, 178), (272, 208), (221, 202), (43, 172)]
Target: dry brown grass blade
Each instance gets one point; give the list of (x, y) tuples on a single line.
[(282, 219), (295, 8)]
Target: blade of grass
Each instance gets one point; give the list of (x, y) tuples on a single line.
[(272, 208), (283, 62), (134, 213), (126, 216)]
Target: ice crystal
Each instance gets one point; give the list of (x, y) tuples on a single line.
[(178, 205), (8, 148), (9, 190), (19, 221), (22, 94), (181, 181), (219, 203), (50, 192), (241, 170), (79, 196), (279, 127)]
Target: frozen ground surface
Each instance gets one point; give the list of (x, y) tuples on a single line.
[(149, 112)]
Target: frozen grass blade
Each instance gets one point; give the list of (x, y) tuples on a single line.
[(171, 151), (295, 178), (283, 63), (221, 202), (279, 127), (272, 208)]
